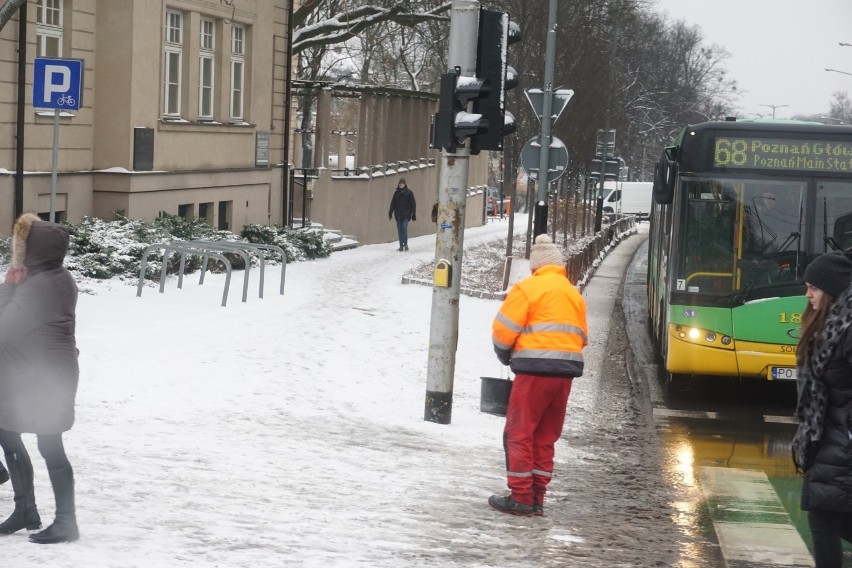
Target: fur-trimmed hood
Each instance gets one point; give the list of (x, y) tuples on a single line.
[(37, 244)]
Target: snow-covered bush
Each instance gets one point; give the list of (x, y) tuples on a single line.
[(298, 244), (103, 249)]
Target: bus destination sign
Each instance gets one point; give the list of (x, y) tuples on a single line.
[(742, 152)]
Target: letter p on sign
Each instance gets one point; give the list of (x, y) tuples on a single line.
[(57, 79), (57, 83)]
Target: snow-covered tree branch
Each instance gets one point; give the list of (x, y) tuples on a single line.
[(349, 24)]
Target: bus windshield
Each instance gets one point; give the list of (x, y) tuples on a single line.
[(741, 236), (833, 216)]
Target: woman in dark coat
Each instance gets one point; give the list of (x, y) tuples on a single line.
[(38, 372), (822, 446), (403, 207)]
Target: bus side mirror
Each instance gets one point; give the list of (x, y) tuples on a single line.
[(664, 181)]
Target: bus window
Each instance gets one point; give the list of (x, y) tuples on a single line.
[(773, 217), (709, 246), (742, 233), (833, 219)]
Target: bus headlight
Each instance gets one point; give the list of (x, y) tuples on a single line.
[(699, 336)]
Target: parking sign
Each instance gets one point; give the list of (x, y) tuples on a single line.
[(57, 83)]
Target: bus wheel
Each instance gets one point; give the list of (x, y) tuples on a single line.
[(676, 384)]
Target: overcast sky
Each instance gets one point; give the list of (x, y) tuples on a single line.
[(779, 49)]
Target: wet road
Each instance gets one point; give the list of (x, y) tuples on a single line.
[(725, 449)]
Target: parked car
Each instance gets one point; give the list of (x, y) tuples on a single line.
[(493, 204)]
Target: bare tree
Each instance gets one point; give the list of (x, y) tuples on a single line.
[(841, 107), (347, 24)]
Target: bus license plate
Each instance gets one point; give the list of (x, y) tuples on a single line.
[(783, 373)]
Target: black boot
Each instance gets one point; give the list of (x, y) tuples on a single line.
[(25, 515), (64, 527), (4, 475)]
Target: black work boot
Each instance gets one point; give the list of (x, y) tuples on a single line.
[(64, 527), (510, 506), (25, 515)]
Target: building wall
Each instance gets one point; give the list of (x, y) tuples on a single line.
[(358, 205), (199, 164), (122, 43)]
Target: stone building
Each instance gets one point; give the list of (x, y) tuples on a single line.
[(183, 112)]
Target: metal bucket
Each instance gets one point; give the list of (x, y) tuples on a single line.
[(494, 398)]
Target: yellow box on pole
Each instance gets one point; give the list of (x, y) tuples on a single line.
[(443, 274)]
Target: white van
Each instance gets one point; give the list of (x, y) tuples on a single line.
[(628, 198)]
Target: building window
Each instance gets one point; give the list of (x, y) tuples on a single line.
[(224, 216), (49, 28), (238, 62), (206, 64), (205, 211), (186, 211), (173, 54)]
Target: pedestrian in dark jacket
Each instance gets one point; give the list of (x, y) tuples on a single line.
[(404, 209), (38, 372), (540, 331), (822, 446)]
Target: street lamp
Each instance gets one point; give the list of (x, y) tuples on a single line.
[(844, 44), (836, 120), (773, 107), (838, 71)]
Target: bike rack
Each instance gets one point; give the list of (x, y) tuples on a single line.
[(213, 249), (167, 248), (233, 246)]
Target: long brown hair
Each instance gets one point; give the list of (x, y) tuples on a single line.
[(812, 321)]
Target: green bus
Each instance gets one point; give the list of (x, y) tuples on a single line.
[(739, 209)]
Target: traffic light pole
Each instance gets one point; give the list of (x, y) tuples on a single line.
[(452, 196), (540, 225)]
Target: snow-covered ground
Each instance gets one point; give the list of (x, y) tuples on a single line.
[(284, 431)]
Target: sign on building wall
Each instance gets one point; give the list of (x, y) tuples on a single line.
[(261, 149)]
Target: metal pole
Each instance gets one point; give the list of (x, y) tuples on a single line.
[(546, 119), (452, 197), (286, 212), (54, 165), (22, 103), (604, 154), (509, 179)]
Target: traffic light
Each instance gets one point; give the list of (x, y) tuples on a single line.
[(496, 33), (452, 124)]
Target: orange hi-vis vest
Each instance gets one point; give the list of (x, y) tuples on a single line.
[(542, 322)]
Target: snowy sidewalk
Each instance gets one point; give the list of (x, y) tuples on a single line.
[(289, 431)]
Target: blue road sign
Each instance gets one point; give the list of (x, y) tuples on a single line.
[(57, 83)]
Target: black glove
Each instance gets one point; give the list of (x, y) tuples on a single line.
[(504, 355)]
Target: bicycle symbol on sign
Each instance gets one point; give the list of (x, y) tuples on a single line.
[(65, 100)]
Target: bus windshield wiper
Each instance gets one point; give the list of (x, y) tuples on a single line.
[(794, 236), (830, 241)]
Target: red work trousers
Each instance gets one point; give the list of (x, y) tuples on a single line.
[(534, 422)]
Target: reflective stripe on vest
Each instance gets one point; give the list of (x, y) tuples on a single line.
[(548, 354)]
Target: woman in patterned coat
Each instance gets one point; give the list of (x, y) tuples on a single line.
[(822, 446)]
